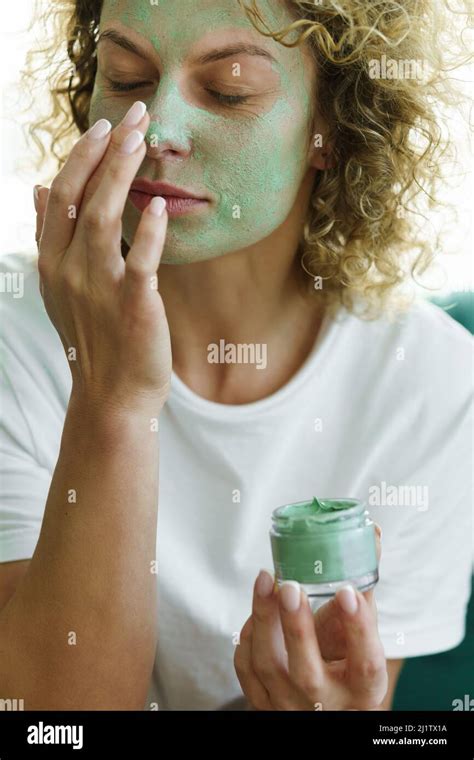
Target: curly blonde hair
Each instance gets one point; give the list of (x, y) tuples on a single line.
[(363, 237)]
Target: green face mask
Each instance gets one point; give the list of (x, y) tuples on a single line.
[(249, 158)]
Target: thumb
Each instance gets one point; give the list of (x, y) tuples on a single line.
[(369, 595)]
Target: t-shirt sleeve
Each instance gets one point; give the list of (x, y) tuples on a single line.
[(24, 482), (426, 565)]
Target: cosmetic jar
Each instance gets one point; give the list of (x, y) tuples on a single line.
[(324, 544)]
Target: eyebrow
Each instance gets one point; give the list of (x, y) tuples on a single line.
[(230, 50), (123, 42), (214, 55)]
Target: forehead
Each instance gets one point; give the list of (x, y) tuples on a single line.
[(178, 27)]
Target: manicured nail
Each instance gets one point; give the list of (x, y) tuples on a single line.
[(290, 595), (36, 195), (135, 114), (157, 205), (348, 599), (264, 585), (132, 141), (100, 129)]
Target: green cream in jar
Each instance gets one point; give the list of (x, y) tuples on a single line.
[(324, 544)]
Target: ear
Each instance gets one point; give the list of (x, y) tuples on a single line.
[(321, 152)]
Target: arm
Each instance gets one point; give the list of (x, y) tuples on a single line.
[(90, 579), (79, 630)]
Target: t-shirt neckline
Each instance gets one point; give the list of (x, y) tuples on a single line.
[(182, 393)]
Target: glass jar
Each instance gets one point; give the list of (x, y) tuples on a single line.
[(324, 544)]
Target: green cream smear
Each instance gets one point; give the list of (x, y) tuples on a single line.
[(330, 505), (310, 515), (250, 161)]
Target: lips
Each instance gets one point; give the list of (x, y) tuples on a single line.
[(178, 200)]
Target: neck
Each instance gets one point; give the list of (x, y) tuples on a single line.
[(252, 296)]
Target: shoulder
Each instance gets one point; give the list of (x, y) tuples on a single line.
[(21, 304), (424, 325), (437, 328), (437, 351), (33, 358), (423, 349), (19, 286)]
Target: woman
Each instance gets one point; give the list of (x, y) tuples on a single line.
[(286, 169)]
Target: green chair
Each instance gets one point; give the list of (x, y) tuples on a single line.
[(434, 681)]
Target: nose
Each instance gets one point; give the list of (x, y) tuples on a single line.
[(169, 133)]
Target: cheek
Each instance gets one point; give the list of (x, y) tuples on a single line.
[(256, 168), (253, 167), (96, 106), (101, 107)]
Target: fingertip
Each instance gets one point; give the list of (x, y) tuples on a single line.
[(99, 130), (289, 596), (157, 206), (348, 599), (264, 584)]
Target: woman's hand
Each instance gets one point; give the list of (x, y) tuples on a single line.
[(329, 618), (291, 659), (107, 311)]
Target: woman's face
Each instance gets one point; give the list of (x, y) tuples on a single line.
[(231, 126)]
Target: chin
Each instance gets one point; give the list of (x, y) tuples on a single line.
[(171, 257), (180, 254)]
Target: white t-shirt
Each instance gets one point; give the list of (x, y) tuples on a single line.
[(379, 411)]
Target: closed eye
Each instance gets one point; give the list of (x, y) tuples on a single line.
[(126, 86), (229, 100)]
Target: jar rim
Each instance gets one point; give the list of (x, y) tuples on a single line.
[(282, 517)]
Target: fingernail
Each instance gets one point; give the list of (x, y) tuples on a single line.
[(290, 595), (378, 530), (348, 599), (157, 205), (99, 130), (135, 114), (36, 195), (132, 141), (264, 585)]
